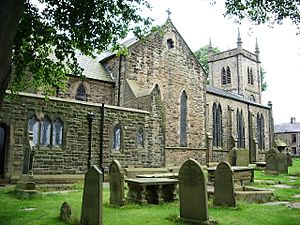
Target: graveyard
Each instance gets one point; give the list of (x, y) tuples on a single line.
[(44, 208)]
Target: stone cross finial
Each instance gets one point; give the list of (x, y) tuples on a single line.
[(169, 13)]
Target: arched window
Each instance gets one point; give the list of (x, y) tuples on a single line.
[(140, 138), (117, 137), (223, 76), (240, 130), (81, 93), (57, 132), (260, 131), (33, 126), (248, 74), (228, 75), (217, 125), (45, 131), (183, 119), (252, 98)]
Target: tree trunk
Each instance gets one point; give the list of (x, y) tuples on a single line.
[(10, 14)]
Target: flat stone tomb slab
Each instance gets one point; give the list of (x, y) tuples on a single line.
[(151, 190)]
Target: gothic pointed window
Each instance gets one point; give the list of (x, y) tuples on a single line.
[(223, 76), (228, 75), (81, 93), (57, 132), (33, 126), (251, 76), (252, 98), (140, 138), (45, 131), (217, 125), (260, 131), (117, 137), (240, 130), (248, 74), (183, 119)]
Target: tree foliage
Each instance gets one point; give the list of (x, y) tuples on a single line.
[(264, 84), (49, 35), (202, 55), (263, 11)]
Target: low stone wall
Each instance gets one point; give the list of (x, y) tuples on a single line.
[(176, 156), (72, 156)]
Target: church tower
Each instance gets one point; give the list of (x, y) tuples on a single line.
[(237, 71)]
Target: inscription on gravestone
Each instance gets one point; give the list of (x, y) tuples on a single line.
[(116, 184), (192, 192), (91, 212), (224, 186)]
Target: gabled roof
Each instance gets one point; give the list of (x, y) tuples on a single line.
[(92, 68), (227, 94), (287, 128), (107, 54)]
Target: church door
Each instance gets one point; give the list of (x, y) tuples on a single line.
[(2, 149)]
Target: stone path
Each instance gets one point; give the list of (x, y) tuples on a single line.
[(294, 205), (282, 186)]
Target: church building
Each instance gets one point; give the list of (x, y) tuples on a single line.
[(149, 108)]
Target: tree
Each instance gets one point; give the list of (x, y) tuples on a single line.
[(263, 11), (264, 84), (202, 55), (42, 41)]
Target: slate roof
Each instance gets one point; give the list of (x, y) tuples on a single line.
[(92, 68), (287, 128), (227, 94), (106, 54)]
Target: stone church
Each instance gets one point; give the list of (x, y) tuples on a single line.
[(149, 108)]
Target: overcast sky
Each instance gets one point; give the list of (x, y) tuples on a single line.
[(197, 21)]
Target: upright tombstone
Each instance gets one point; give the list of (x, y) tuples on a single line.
[(224, 194), (26, 183), (91, 212), (116, 184), (192, 192), (242, 157), (289, 159), (276, 162)]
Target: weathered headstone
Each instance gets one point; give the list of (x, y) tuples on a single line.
[(116, 184), (91, 212), (224, 194), (192, 192), (276, 162), (65, 212), (239, 157), (289, 159)]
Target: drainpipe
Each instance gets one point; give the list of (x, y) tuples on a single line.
[(101, 139), (119, 80), (90, 117)]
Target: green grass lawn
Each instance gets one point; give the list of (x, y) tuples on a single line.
[(48, 207)]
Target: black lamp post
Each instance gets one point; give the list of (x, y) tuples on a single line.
[(90, 117)]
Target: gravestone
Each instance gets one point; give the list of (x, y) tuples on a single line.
[(91, 212), (26, 183), (289, 159), (65, 212), (276, 162), (239, 157), (116, 184), (192, 192), (224, 194)]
